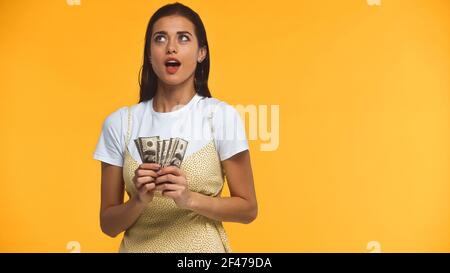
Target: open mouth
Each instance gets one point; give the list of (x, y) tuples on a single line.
[(172, 66), (172, 63)]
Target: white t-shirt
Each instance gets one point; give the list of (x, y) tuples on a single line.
[(189, 122)]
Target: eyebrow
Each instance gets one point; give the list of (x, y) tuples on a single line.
[(178, 32)]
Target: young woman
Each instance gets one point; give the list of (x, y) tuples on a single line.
[(175, 209)]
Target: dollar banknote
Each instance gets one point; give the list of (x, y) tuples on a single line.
[(165, 148), (167, 152), (139, 148), (172, 150), (179, 152), (148, 148)]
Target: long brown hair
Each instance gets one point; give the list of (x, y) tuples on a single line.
[(148, 78)]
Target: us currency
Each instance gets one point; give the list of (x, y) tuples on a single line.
[(161, 146), (168, 152), (139, 148), (158, 151), (167, 159), (169, 149), (179, 153), (149, 148), (172, 151), (165, 148)]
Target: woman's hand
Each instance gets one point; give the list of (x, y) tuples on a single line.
[(173, 183), (144, 181)]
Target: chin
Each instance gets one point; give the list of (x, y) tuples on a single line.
[(172, 81)]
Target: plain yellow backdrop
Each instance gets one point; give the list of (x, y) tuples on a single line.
[(364, 118)]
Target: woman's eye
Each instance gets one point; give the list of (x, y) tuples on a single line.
[(160, 38), (184, 38)]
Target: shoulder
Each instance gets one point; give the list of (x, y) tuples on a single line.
[(118, 116), (219, 107), (225, 117), (137, 109), (212, 101), (114, 119)]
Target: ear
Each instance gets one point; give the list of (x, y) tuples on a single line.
[(201, 54)]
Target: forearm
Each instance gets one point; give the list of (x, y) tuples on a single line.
[(227, 209), (117, 219)]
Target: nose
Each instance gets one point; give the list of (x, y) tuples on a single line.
[(171, 46)]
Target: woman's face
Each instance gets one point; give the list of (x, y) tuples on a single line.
[(174, 50)]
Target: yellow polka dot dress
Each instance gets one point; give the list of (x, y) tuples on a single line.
[(162, 226)]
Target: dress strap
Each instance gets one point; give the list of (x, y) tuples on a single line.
[(127, 140), (210, 120)]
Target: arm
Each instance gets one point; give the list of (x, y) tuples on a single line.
[(115, 215), (241, 206)]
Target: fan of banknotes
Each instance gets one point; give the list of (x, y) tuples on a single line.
[(168, 152)]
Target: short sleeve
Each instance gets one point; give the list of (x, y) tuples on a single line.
[(111, 142), (229, 131)]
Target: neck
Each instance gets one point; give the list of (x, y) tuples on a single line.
[(167, 97)]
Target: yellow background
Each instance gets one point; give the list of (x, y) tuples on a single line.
[(364, 118)]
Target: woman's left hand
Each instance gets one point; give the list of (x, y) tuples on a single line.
[(172, 182)]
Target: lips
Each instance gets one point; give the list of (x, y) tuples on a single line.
[(172, 65)]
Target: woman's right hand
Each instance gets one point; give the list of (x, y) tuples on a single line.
[(144, 181)]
